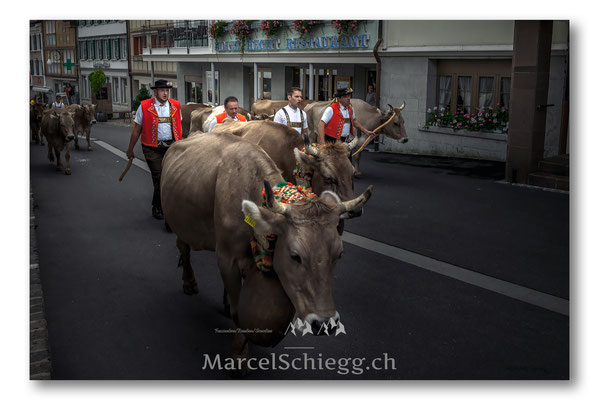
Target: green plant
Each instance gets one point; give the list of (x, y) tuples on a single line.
[(346, 27), (304, 26), (271, 27), (143, 94), (485, 119), (217, 29), (97, 79)]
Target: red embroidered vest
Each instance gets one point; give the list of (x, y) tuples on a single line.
[(335, 125), (221, 117), (149, 123)]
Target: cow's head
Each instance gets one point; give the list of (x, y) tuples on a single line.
[(38, 110), (395, 129), (66, 123), (90, 113), (308, 247), (332, 169)]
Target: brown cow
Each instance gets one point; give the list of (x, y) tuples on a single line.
[(266, 109), (209, 184), (36, 111), (84, 117), (58, 128), (186, 111), (369, 116)]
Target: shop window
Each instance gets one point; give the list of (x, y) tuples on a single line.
[(193, 92)]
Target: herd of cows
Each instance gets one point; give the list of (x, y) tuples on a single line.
[(60, 127), (213, 183)]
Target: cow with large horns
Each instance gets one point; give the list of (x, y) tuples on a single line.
[(210, 184), (371, 117)]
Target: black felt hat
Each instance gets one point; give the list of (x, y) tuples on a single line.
[(162, 84), (343, 92)]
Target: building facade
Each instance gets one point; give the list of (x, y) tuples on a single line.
[(462, 66), (60, 55), (155, 35), (103, 45), (269, 64), (37, 79)]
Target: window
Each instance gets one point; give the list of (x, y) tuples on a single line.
[(115, 90), (504, 94), (139, 42), (123, 49), (50, 33), (91, 46), (100, 54), (108, 47), (467, 85), (124, 90), (117, 48)]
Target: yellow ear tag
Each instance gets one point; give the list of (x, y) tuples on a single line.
[(250, 221)]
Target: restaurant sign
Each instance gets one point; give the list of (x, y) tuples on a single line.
[(309, 43)]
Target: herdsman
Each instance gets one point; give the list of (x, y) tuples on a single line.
[(231, 106), (158, 122), (292, 115), (338, 119)]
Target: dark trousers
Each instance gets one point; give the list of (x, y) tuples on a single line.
[(330, 139), (154, 157)]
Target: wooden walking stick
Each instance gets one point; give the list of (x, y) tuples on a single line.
[(126, 169), (375, 133)]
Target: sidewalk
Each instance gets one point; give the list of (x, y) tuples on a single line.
[(39, 353)]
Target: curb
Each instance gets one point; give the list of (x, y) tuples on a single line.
[(40, 366)]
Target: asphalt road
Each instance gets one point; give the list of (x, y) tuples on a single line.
[(116, 310)]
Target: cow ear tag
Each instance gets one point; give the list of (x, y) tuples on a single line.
[(249, 220)]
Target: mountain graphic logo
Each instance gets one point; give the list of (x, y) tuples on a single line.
[(302, 327)]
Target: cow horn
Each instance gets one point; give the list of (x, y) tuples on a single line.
[(390, 107), (356, 203), (313, 151), (353, 144), (402, 106), (273, 204), (306, 139)]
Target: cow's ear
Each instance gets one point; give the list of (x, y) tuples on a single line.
[(263, 221), (306, 161)]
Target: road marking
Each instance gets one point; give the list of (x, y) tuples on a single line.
[(544, 300), (527, 295), (137, 162)]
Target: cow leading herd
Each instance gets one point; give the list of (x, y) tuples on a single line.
[(212, 182)]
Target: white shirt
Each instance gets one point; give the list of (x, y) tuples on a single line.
[(58, 105), (213, 122), (294, 116), (328, 114), (164, 128)]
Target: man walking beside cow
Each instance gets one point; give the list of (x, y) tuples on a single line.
[(292, 115), (231, 107), (338, 120), (158, 122)]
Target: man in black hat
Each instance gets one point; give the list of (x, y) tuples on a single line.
[(338, 119), (158, 122)]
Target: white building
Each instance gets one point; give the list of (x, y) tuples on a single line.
[(103, 45)]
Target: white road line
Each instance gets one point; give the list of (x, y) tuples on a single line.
[(544, 300), (527, 295), (137, 162)]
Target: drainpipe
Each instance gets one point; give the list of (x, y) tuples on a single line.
[(311, 81), (375, 52), (213, 84), (127, 41)]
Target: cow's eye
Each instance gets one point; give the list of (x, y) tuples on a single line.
[(295, 257)]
